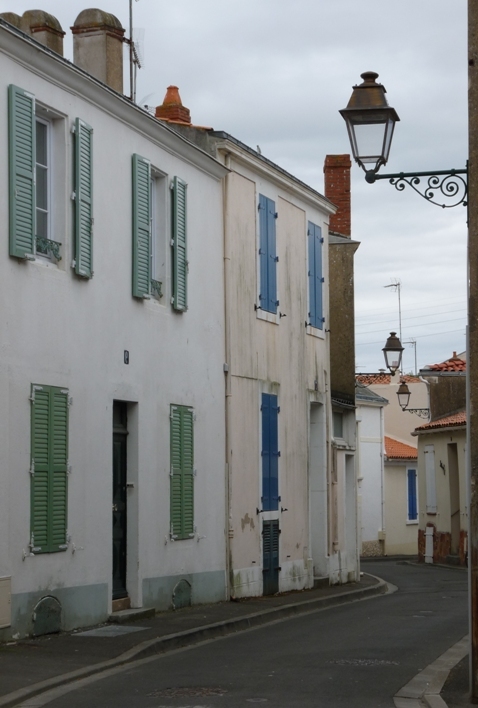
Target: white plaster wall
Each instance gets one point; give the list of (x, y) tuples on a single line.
[(371, 461), (272, 357), (59, 330)]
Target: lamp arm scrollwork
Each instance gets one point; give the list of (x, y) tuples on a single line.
[(452, 185)]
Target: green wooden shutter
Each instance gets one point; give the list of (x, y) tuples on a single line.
[(39, 467), (83, 199), (179, 244), (49, 468), (21, 137), (141, 226), (182, 472)]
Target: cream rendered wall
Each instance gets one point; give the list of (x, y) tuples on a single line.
[(440, 441), (402, 535), (60, 330), (400, 424), (269, 354)]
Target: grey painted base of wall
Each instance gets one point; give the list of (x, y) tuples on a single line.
[(80, 607), (205, 588)]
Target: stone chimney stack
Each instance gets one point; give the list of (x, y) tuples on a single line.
[(98, 46), (337, 189), (172, 108), (41, 26)]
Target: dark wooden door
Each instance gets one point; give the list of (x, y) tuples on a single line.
[(119, 500), (270, 557)]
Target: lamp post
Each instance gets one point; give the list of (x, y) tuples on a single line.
[(370, 124)]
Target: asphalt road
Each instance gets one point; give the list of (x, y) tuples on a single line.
[(357, 655)]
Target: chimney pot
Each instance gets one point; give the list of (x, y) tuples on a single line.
[(172, 108), (98, 38), (12, 18)]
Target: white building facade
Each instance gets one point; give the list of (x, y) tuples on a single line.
[(112, 430)]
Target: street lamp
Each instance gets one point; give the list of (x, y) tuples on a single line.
[(370, 124), (392, 352), (403, 395)]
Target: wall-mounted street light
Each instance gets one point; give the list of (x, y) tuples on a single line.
[(392, 352), (370, 124), (403, 395)]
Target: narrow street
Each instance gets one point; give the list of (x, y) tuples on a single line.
[(358, 654)]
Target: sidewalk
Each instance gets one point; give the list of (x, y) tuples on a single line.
[(31, 666)]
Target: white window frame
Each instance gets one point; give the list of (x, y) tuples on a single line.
[(160, 230), (49, 178)]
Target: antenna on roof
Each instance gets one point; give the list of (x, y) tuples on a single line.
[(135, 53)]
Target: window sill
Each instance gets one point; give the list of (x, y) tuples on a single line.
[(315, 332), (271, 317), (412, 523)]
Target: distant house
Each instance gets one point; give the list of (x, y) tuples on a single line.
[(401, 498), (443, 510)]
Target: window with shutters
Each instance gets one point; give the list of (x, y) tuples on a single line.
[(314, 248), (36, 173), (270, 452), (49, 468), (412, 495), (180, 263), (182, 472), (268, 258)]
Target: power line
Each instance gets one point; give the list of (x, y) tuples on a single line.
[(419, 336), (415, 317), (454, 319)]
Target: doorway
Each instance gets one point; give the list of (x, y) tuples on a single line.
[(120, 433), (454, 498), (270, 557)]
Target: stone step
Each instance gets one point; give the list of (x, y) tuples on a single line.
[(131, 615)]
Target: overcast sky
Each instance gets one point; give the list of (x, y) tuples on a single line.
[(275, 73)]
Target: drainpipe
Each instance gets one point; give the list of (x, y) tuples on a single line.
[(382, 473), (227, 373)]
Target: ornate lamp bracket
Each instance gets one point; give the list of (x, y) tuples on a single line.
[(422, 412), (448, 185)]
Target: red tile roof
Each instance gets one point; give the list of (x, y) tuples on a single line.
[(396, 450), (368, 379), (448, 421), (452, 364)]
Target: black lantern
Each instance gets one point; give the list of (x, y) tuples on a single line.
[(403, 394), (370, 123), (392, 351)]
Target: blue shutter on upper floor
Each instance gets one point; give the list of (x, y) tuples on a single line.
[(270, 452), (267, 255), (315, 241), (412, 494), (22, 156)]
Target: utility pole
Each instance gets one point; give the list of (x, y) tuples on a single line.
[(472, 343), (413, 342)]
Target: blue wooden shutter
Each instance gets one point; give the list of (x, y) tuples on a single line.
[(182, 472), (179, 244), (141, 226), (49, 468), (412, 495), (270, 452), (315, 241), (83, 199), (267, 255), (22, 155)]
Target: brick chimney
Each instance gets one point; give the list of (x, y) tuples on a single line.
[(98, 46), (172, 108), (337, 189), (40, 25)]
